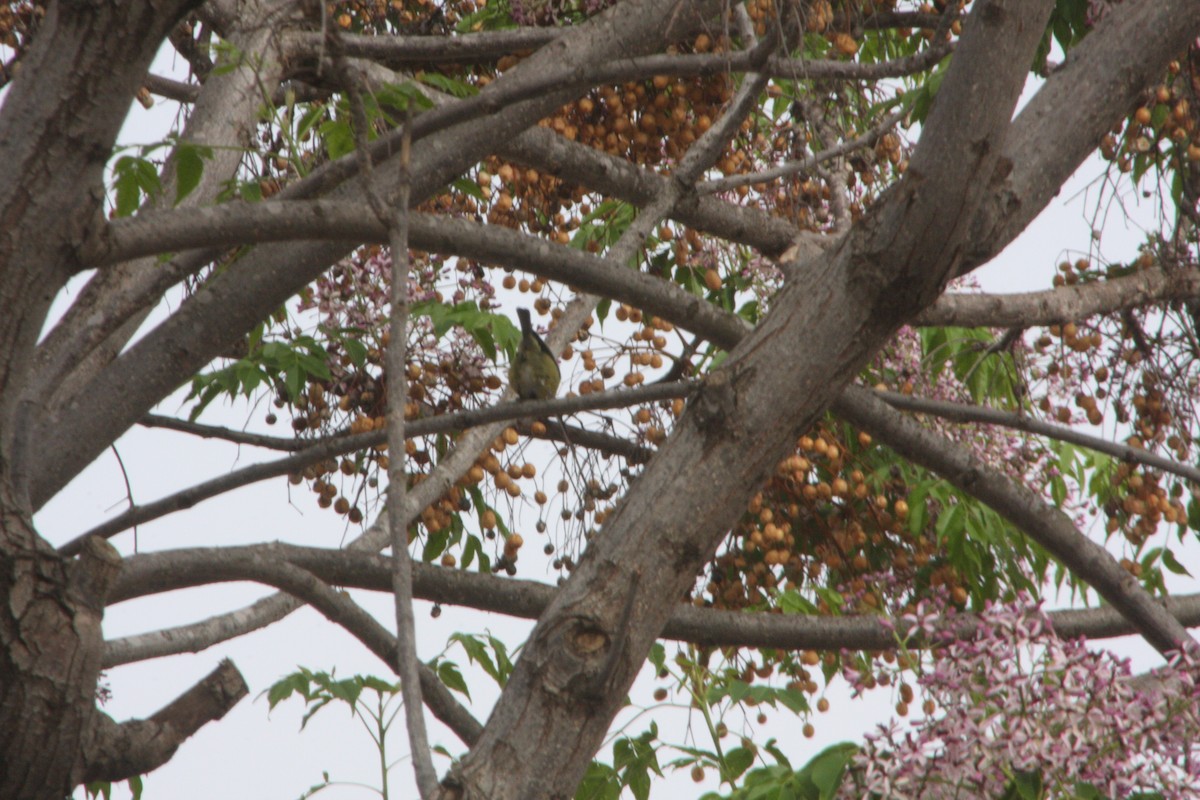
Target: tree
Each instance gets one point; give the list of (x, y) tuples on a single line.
[(772, 197)]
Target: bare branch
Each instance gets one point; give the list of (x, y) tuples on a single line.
[(107, 313), (819, 334), (575, 436), (171, 89), (340, 609), (1064, 304), (610, 175), (182, 38), (396, 220), (115, 752), (153, 573), (289, 443), (403, 51), (197, 636)]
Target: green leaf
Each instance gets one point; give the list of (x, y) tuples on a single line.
[(189, 167), (294, 381), (737, 761), (347, 691), (448, 674), (792, 602), (1158, 115), (1170, 562), (469, 188), (296, 683), (134, 178), (777, 754), (499, 668), (337, 137), (99, 788), (402, 95), (356, 351), (227, 56), (826, 770), (922, 99), (490, 17), (314, 366), (600, 782), (447, 84), (738, 690), (490, 331), (504, 665), (794, 700), (250, 191), (1025, 785), (658, 656)]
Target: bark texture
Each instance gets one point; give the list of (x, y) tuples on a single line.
[(59, 122)]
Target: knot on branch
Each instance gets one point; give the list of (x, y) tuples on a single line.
[(715, 406)]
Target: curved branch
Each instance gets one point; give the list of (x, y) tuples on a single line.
[(519, 86), (486, 46), (113, 304), (198, 636), (609, 445), (1064, 304), (179, 91), (285, 220), (340, 609), (600, 172), (167, 570), (1021, 506), (961, 412)]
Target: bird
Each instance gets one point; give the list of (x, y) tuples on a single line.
[(533, 374)]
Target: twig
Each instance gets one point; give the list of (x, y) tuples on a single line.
[(290, 444), (803, 164), (398, 483), (396, 220), (128, 488), (329, 448)]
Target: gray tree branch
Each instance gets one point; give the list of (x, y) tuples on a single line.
[(153, 573), (1047, 526)]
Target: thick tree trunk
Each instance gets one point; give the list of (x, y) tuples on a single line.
[(50, 652), (589, 644), (57, 127)]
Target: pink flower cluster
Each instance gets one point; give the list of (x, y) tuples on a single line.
[(1014, 699)]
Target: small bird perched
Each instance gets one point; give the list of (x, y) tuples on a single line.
[(533, 374)]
